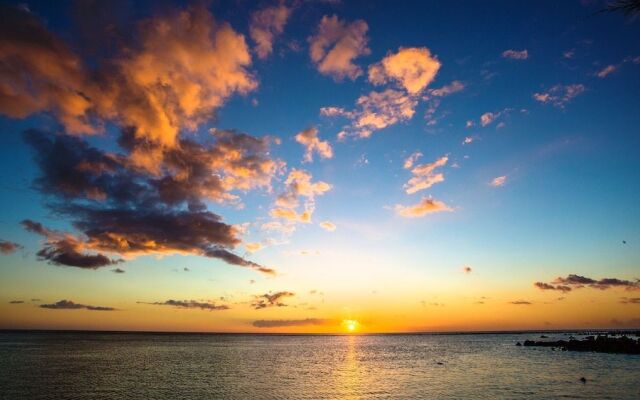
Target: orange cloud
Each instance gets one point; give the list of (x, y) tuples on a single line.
[(298, 184), (560, 95), (413, 68), (426, 206), (265, 25), (328, 226), (424, 175), (39, 73), (309, 139), (336, 45), (498, 181)]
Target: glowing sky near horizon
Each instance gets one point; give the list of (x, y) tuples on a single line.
[(319, 166)]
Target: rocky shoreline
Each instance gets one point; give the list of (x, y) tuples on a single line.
[(600, 344)]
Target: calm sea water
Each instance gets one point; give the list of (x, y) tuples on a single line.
[(152, 366)]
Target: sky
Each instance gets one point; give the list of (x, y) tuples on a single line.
[(319, 166)]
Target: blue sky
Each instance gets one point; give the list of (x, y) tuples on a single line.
[(567, 200)]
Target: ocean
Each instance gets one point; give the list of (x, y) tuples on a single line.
[(38, 365)]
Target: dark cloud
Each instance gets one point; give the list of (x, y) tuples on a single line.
[(129, 212), (61, 249), (521, 303), (70, 305), (118, 271), (278, 323), (270, 300), (191, 304), (573, 281), (630, 300), (16, 302), (547, 286), (7, 247)]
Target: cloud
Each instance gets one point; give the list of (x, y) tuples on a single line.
[(467, 269), (424, 175), (412, 68), (547, 286), (191, 304), (378, 110), (336, 45), (16, 302), (253, 247), (630, 300), (298, 184), (280, 323), (265, 25), (126, 211), (39, 73), (468, 140), (328, 226), (498, 181), (270, 300), (7, 247), (70, 305), (446, 90), (573, 281), (309, 139), (521, 303), (179, 70), (516, 54), (606, 70), (410, 161), (426, 206), (118, 271), (560, 95)]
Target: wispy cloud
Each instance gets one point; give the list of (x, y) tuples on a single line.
[(270, 300), (426, 206), (191, 304), (573, 281), (425, 175), (70, 305), (498, 181), (516, 54), (281, 323), (7, 247), (312, 143), (560, 95)]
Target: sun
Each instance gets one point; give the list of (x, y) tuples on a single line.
[(351, 325)]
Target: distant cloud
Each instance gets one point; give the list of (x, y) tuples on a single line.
[(70, 305), (609, 69), (630, 300), (7, 247), (520, 303), (489, 117), (253, 247), (336, 45), (572, 281), (467, 269), (516, 54), (16, 302), (270, 300), (118, 271), (409, 161), (453, 87), (560, 95), (280, 323), (547, 286), (412, 68), (424, 175), (498, 181), (328, 226), (265, 25), (191, 304), (468, 140), (309, 139), (298, 184), (426, 206)]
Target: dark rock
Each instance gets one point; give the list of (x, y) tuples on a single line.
[(600, 344), (518, 344), (583, 380), (544, 337)]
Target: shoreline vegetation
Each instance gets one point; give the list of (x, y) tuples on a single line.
[(604, 343)]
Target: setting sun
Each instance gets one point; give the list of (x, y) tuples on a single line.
[(351, 325)]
